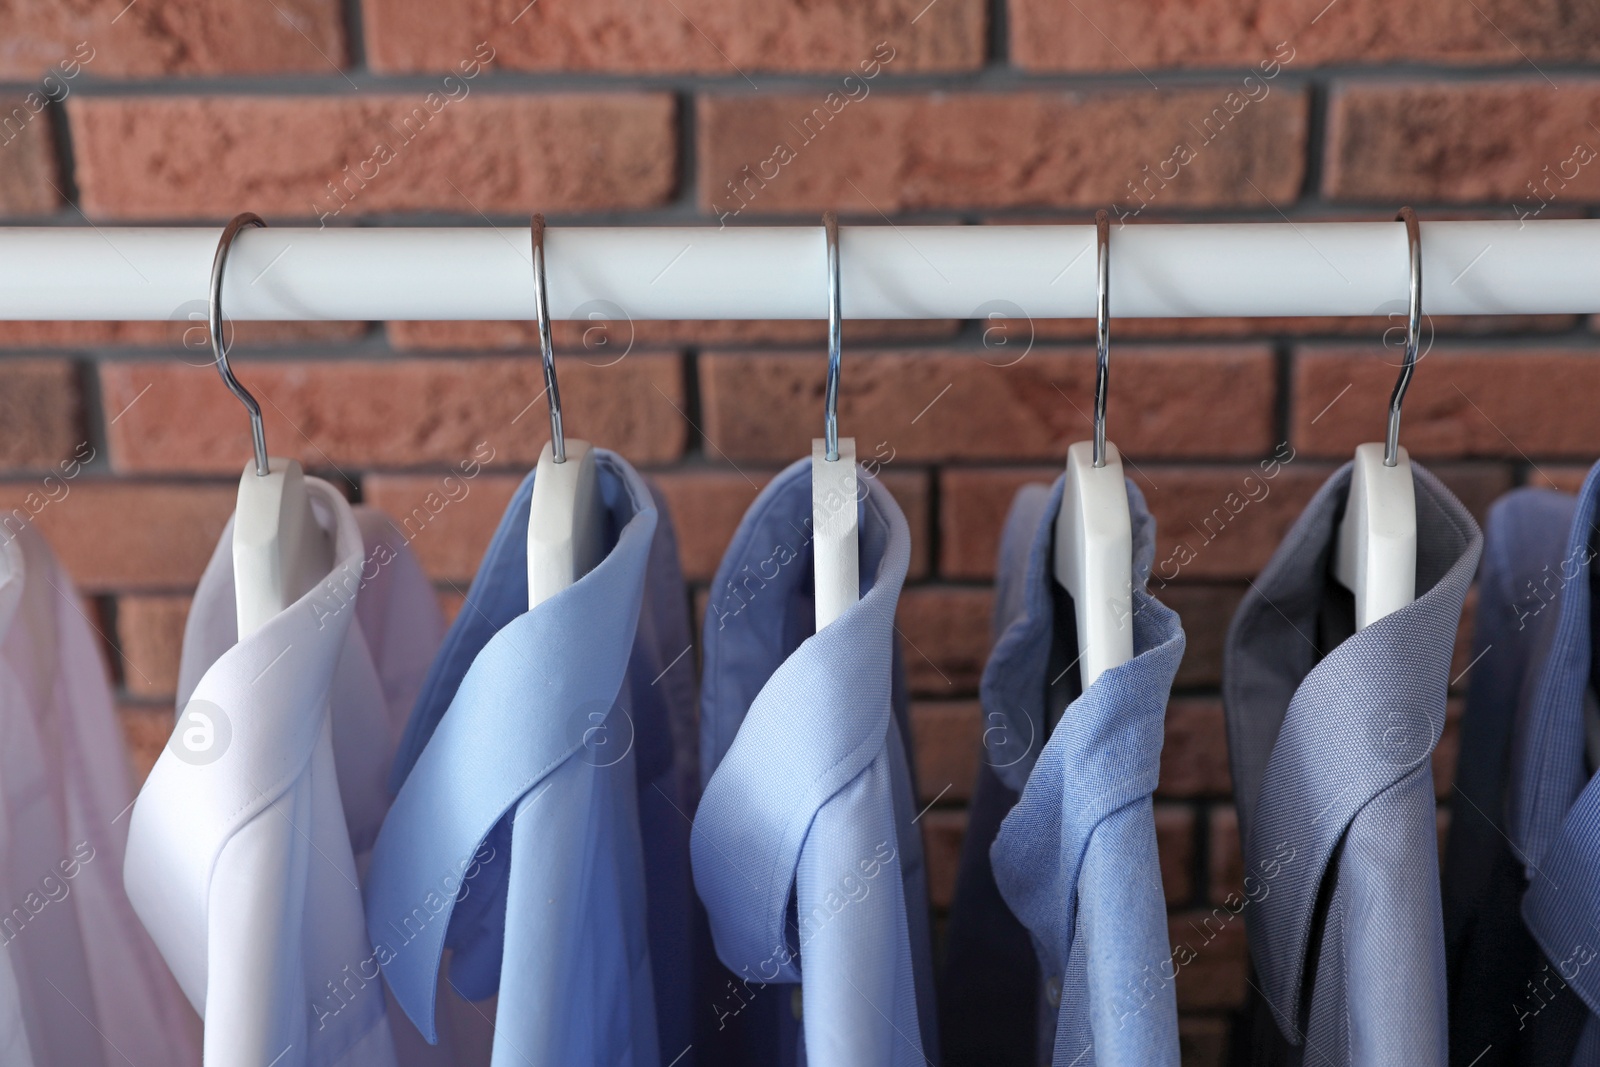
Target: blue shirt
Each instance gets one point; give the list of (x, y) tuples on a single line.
[(1554, 813), (1330, 736), (1075, 858), (541, 821), (1509, 1005), (805, 849)]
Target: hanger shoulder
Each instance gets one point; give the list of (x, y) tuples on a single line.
[(279, 551), (1094, 558), (835, 529), (1375, 556), (565, 521)]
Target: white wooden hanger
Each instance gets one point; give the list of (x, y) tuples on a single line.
[(279, 551), (1375, 556), (1094, 531), (566, 526), (835, 528)]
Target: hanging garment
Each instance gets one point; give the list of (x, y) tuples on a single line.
[(1330, 735), (1075, 859), (400, 626), (1554, 798), (544, 789), (242, 853), (805, 849), (81, 985), (1510, 1004)]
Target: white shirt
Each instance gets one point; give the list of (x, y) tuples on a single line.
[(242, 857), (81, 985)]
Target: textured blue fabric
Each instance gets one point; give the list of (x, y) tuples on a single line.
[(1075, 859), (1509, 1007), (1555, 801), (540, 824), (1330, 734), (804, 849)]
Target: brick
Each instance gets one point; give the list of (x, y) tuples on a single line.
[(146, 729), (973, 505), (1505, 141), (451, 528), (1302, 327), (110, 38), (1476, 485), (948, 742), (186, 336), (149, 157), (901, 152), (1175, 843), (150, 633), (1211, 522), (944, 632), (28, 182), (1194, 755), (1567, 479), (1105, 35), (932, 406), (134, 536), (942, 831), (910, 489), (1205, 610), (447, 519), (690, 36), (1211, 950), (1225, 522), (707, 505), (602, 337), (1224, 854), (389, 414), (41, 411), (1462, 402)]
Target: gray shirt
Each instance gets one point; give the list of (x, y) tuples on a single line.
[(1330, 734)]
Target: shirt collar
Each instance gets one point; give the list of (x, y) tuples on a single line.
[(1321, 720), (1021, 682)]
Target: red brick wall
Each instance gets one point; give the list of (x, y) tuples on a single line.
[(956, 111)]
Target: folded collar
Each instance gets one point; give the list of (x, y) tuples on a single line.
[(1315, 732)]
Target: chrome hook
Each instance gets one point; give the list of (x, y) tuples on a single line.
[(1391, 443), (541, 303), (830, 417), (1102, 330), (214, 322)]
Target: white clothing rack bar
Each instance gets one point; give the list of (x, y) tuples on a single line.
[(889, 272)]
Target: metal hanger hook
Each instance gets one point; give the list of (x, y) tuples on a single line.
[(1102, 330), (541, 303), (1391, 442), (830, 416), (219, 351)]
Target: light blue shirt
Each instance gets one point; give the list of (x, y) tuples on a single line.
[(544, 787), (1075, 859), (805, 849)]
